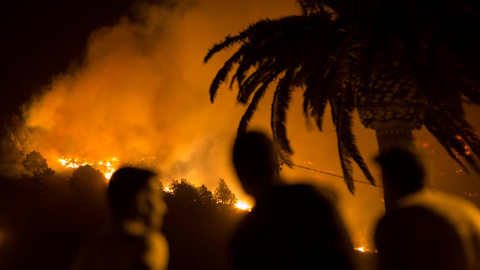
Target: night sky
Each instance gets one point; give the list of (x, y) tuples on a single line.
[(42, 38)]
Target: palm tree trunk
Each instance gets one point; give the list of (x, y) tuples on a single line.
[(393, 139)]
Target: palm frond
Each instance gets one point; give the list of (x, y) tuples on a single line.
[(242, 127), (435, 129), (223, 72), (349, 142), (332, 50), (256, 79), (447, 136), (229, 41), (468, 134), (282, 97), (467, 139), (315, 102), (251, 60), (345, 158)]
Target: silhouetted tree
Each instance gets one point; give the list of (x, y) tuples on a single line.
[(223, 194), (10, 158), (89, 188), (87, 179), (205, 195), (35, 164), (401, 64), (160, 184), (184, 192), (16, 132), (197, 227)]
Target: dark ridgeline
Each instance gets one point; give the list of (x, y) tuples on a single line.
[(134, 239), (291, 226), (46, 217), (424, 228)]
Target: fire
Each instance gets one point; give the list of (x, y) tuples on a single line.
[(106, 167), (361, 249), (364, 249), (68, 163), (243, 205), (108, 175)]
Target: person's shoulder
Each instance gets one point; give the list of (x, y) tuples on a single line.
[(416, 224), (409, 212), (447, 206)]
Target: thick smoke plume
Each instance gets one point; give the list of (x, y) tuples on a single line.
[(142, 91)]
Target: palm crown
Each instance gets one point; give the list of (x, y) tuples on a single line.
[(401, 64)]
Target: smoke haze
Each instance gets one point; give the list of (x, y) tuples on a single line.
[(142, 91)]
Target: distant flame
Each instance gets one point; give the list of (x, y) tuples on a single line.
[(108, 175), (364, 249), (107, 168), (243, 205)]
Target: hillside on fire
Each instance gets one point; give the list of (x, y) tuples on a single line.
[(47, 217)]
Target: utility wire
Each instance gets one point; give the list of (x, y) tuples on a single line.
[(331, 174)]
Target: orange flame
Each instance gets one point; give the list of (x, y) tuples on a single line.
[(243, 205), (361, 249), (107, 168)]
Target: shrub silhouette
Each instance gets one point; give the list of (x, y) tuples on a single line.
[(36, 165), (223, 194), (86, 177)]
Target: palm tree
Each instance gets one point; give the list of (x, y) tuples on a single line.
[(402, 64)]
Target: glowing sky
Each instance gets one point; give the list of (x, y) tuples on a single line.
[(142, 90)]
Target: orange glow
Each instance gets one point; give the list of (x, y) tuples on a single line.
[(243, 205), (108, 175), (364, 249), (361, 249), (107, 168)]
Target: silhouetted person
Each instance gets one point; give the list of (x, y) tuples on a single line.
[(424, 228), (135, 240), (291, 226)]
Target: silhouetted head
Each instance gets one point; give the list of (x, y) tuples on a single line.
[(254, 158), (133, 195), (403, 171)]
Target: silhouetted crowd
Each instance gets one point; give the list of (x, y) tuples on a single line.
[(296, 226)]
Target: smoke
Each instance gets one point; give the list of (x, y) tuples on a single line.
[(142, 91)]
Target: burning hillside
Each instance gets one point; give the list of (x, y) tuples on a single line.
[(127, 100), (106, 167), (141, 92)]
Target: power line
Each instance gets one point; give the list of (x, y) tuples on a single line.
[(332, 174)]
